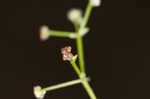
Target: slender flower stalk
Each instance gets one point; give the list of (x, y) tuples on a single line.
[(63, 34), (87, 15), (79, 40), (62, 85), (79, 43), (75, 67), (89, 90)]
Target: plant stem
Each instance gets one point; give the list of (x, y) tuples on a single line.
[(87, 15), (62, 34), (76, 27), (89, 90), (62, 85), (79, 43), (79, 39), (75, 67)]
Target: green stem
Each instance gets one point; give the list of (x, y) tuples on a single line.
[(79, 39), (79, 43), (87, 15), (62, 34), (62, 85), (89, 90), (76, 27), (80, 51), (75, 67)]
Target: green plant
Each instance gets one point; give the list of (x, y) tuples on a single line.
[(80, 24)]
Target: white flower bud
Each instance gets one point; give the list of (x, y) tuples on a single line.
[(44, 35), (95, 3), (39, 94), (75, 16)]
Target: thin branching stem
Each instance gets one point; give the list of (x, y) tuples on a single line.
[(62, 85), (79, 43), (57, 33), (79, 40), (89, 90), (87, 15), (75, 67)]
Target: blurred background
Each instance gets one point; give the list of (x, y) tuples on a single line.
[(117, 50)]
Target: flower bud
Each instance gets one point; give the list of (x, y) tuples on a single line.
[(39, 94), (75, 16), (95, 3), (44, 35)]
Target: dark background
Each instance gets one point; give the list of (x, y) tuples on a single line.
[(117, 50)]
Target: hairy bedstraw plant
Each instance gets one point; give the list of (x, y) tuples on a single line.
[(80, 23)]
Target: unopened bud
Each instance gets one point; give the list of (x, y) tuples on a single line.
[(39, 94), (44, 35), (95, 3), (75, 16)]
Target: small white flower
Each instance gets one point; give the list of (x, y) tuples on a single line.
[(39, 94), (75, 16), (44, 35), (95, 3)]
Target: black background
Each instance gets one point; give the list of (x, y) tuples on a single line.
[(117, 49)]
